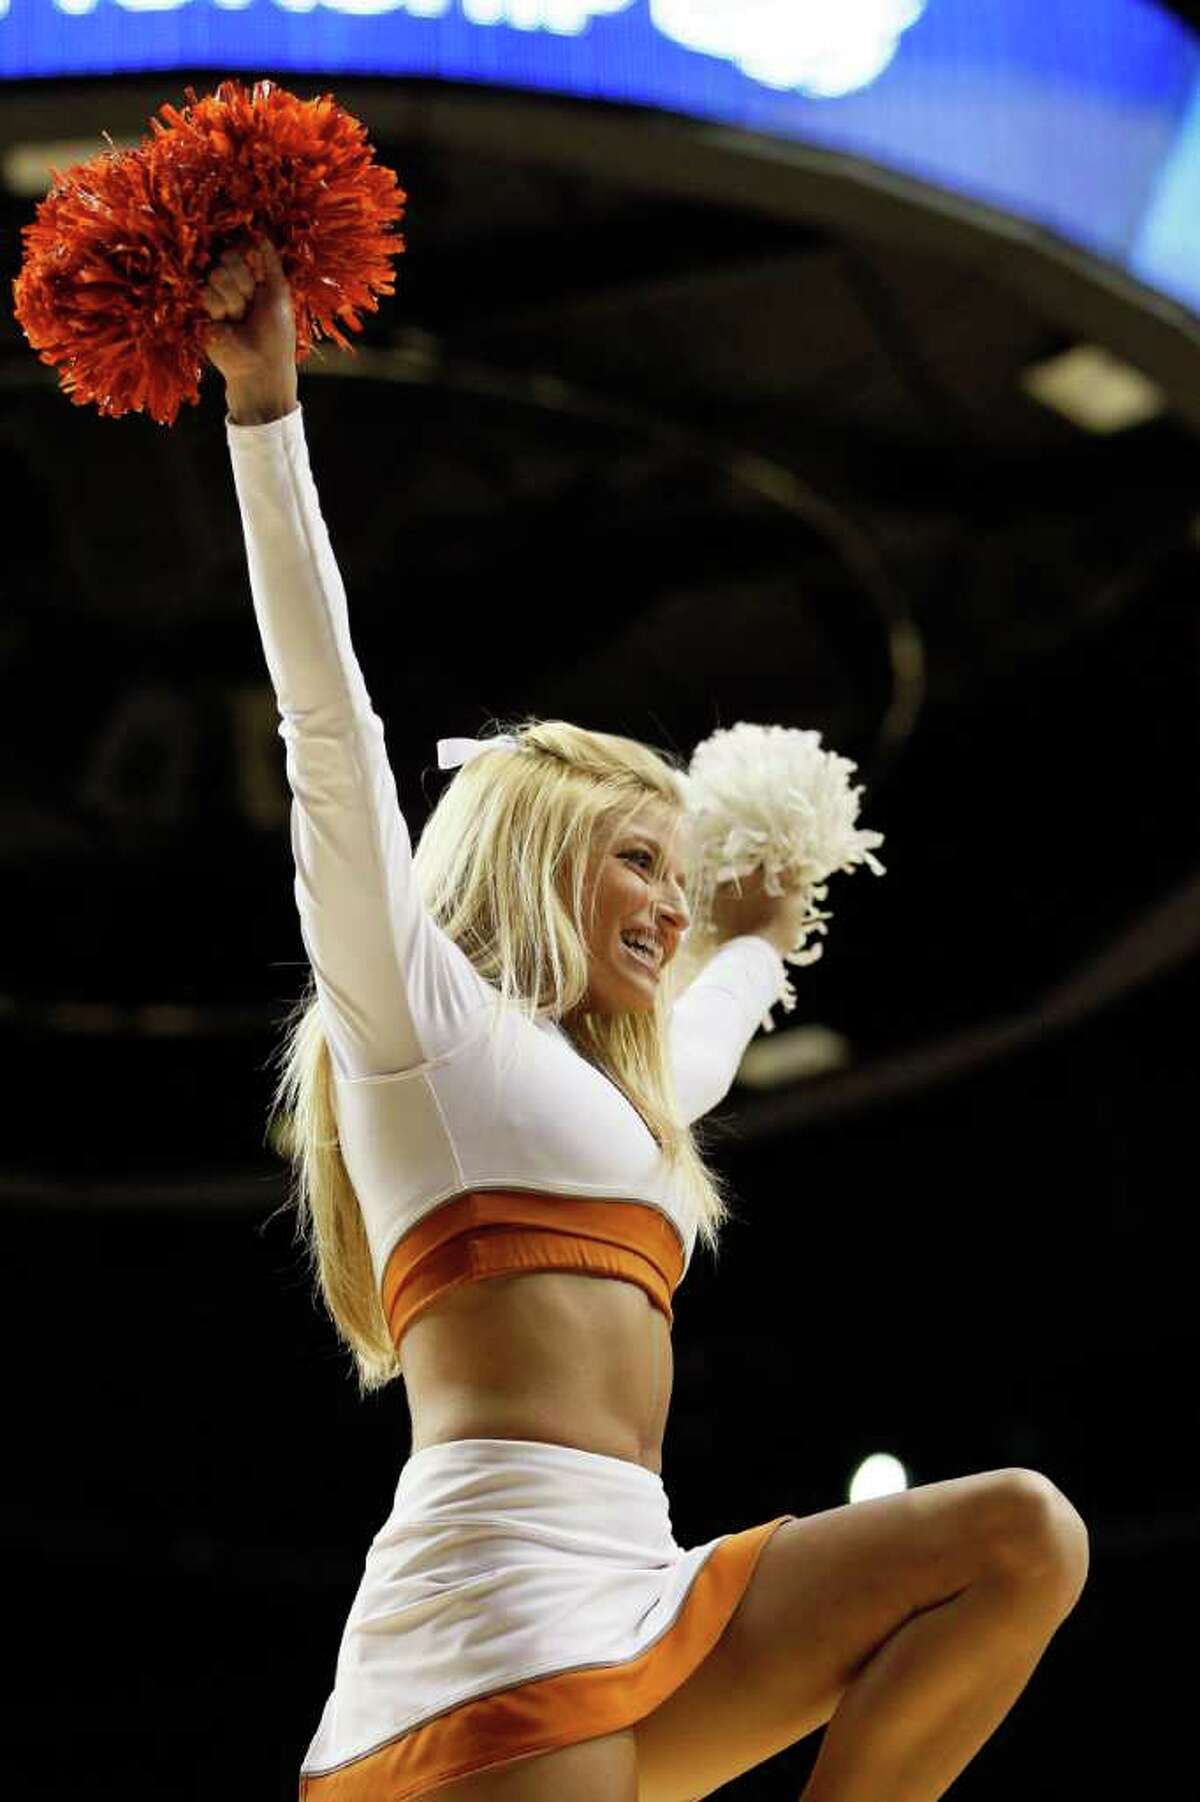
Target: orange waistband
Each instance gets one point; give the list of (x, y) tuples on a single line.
[(499, 1232)]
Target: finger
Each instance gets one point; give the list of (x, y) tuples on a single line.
[(235, 276), (216, 304), (235, 267), (227, 290), (270, 261), (215, 282)]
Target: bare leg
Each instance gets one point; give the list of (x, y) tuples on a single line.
[(921, 1707)]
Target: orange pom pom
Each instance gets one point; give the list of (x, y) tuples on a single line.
[(116, 259)]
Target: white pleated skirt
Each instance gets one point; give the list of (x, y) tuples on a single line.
[(520, 1596)]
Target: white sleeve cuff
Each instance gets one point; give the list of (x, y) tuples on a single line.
[(285, 426)]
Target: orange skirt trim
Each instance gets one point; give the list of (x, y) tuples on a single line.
[(559, 1710), (500, 1232)]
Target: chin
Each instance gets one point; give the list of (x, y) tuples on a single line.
[(622, 996)]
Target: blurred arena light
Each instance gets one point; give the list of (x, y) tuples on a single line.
[(880, 1474), (26, 167), (1094, 389), (788, 1056)]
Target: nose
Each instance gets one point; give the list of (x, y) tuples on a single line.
[(676, 910)]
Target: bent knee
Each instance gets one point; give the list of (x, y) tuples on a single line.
[(1036, 1529)]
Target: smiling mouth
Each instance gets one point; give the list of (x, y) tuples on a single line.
[(640, 957)]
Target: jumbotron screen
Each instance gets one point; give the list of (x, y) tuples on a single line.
[(1083, 119)]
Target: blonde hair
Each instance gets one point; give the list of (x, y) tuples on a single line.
[(502, 867)]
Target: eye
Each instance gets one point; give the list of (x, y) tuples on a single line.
[(649, 860)]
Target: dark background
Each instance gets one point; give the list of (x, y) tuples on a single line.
[(656, 465)]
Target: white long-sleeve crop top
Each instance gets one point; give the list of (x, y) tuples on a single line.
[(477, 1142)]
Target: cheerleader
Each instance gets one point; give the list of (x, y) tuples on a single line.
[(489, 1094)]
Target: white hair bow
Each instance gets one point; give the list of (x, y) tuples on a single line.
[(452, 752)]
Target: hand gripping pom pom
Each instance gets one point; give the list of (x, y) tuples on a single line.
[(770, 795), (117, 257)]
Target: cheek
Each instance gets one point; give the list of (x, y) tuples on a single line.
[(618, 897), (629, 892)]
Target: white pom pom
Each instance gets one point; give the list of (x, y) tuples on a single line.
[(770, 796)]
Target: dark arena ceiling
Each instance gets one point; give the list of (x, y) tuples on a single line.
[(658, 436)]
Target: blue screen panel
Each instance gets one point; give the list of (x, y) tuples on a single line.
[(1083, 119)]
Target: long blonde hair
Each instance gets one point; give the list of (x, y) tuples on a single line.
[(501, 866)]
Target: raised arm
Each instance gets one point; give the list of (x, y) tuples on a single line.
[(716, 1016), (725, 985), (394, 990)]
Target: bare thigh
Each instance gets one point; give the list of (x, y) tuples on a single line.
[(827, 1591), (593, 1770)]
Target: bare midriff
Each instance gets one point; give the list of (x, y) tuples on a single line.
[(555, 1355)]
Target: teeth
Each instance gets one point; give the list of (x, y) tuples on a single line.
[(649, 951)]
